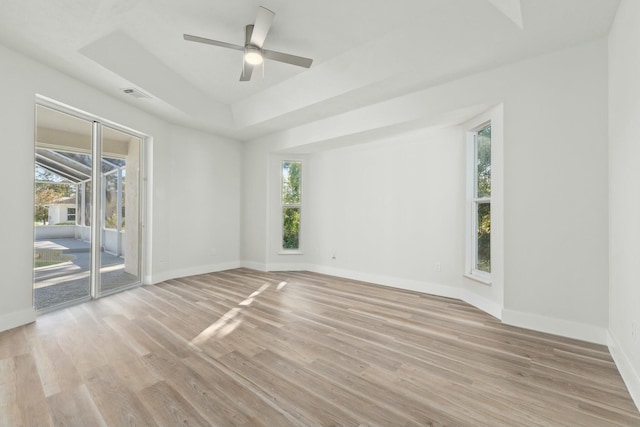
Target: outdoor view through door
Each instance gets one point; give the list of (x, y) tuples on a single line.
[(69, 231)]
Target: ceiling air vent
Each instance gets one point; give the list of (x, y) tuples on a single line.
[(135, 93)]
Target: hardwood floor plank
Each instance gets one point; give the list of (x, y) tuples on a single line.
[(391, 400), (120, 326), (83, 347), (328, 389), (169, 408), (164, 336), (256, 409), (10, 407), (46, 368), (74, 408), (213, 404), (118, 405), (13, 342), (29, 393), (249, 348), (56, 369), (291, 398)]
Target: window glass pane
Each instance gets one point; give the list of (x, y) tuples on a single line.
[(483, 162), (80, 194), (290, 228), (291, 191), (483, 256), (124, 175), (87, 203), (111, 201)]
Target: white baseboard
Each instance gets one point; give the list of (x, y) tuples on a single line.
[(551, 325), (394, 282), (482, 303), (630, 375), (254, 265), (159, 277), (536, 322), (289, 267), (193, 271), (277, 266), (17, 318)]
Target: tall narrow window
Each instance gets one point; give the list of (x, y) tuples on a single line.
[(291, 204), (481, 202)]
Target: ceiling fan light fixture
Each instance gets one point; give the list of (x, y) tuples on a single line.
[(253, 55)]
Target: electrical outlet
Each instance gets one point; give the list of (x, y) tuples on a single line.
[(437, 267), (634, 331)]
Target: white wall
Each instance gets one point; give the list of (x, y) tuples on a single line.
[(391, 209), (556, 189), (204, 203), (254, 209), (624, 173), (182, 241), (555, 185)]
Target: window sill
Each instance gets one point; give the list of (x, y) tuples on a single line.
[(290, 253), (479, 279)]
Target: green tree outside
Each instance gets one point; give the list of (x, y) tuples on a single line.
[(291, 199), (48, 189), (483, 189)]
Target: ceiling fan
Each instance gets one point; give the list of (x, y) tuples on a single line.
[(254, 54)]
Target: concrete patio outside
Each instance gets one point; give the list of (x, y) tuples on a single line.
[(70, 280)]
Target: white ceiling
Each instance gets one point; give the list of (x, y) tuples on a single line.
[(364, 51)]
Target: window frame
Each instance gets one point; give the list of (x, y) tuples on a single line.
[(79, 204), (284, 206), (473, 203), (74, 214)]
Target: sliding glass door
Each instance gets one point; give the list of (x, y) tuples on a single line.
[(62, 244), (120, 259), (87, 209)]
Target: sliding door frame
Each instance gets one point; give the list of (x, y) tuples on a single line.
[(96, 177), (96, 206)]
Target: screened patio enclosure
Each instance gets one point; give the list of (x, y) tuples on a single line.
[(74, 170), (81, 165)]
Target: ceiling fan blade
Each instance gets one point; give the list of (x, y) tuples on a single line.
[(286, 58), (212, 42), (247, 70), (248, 31), (261, 27)]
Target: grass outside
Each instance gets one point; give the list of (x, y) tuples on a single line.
[(45, 258), (46, 263)]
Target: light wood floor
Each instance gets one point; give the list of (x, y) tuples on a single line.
[(270, 349)]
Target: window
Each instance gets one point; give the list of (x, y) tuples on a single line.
[(71, 214), (480, 201), (291, 198)]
